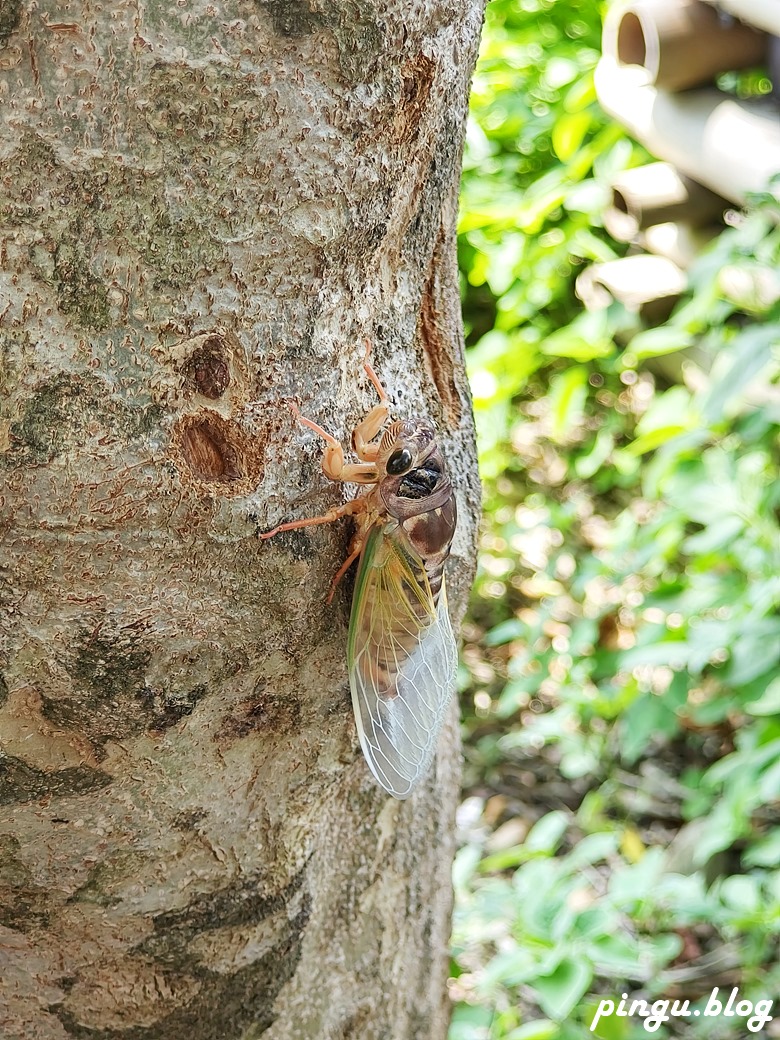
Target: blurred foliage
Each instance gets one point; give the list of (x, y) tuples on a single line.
[(621, 677)]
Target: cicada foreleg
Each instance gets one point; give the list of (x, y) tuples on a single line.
[(369, 428), (333, 465), (366, 444)]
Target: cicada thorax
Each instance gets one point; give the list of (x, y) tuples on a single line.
[(420, 514)]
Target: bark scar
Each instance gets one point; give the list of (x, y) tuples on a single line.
[(416, 78), (432, 333)]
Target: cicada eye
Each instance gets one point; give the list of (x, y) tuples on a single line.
[(399, 462)]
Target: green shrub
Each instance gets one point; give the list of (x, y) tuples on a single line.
[(621, 686)]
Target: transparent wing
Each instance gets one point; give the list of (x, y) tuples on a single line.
[(402, 660)]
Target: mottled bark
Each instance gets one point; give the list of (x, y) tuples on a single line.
[(204, 210)]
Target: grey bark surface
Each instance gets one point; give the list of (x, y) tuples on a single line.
[(205, 208)]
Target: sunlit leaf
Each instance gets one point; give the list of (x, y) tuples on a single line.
[(545, 835), (666, 339), (569, 133), (769, 702), (655, 438), (568, 393), (560, 992), (748, 354)]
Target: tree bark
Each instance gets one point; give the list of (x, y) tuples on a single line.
[(206, 209)]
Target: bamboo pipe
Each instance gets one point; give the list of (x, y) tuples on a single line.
[(678, 242), (731, 146), (764, 14), (680, 43), (654, 194), (648, 286), (751, 286)]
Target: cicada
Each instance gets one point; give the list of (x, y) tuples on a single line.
[(401, 651)]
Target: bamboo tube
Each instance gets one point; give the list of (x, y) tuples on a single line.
[(654, 194), (678, 242), (680, 43), (731, 146), (751, 286), (647, 286), (764, 14)]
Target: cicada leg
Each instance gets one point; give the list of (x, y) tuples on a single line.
[(369, 427), (372, 374), (356, 505), (356, 550), (333, 465)]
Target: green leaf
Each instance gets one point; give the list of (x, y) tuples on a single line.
[(546, 833), (665, 410), (615, 955), (560, 992), (541, 1029), (584, 243), (532, 215), (649, 717), (559, 72), (716, 537), (765, 853), (585, 339), (588, 465), (724, 825), (668, 416), (508, 630), (665, 339), (756, 652), (580, 94), (749, 353), (740, 893), (769, 702), (655, 438), (769, 785), (568, 393), (569, 132), (671, 652), (470, 1022), (566, 343), (511, 968), (465, 864), (607, 1026)]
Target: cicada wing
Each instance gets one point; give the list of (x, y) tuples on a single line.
[(403, 662)]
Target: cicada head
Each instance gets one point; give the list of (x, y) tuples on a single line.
[(412, 476), (405, 445)]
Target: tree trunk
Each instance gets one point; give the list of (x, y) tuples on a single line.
[(206, 209)]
